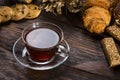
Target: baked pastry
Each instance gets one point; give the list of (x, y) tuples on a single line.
[(33, 11), (5, 13), (101, 3), (96, 19), (111, 51), (25, 1), (20, 11), (114, 31)]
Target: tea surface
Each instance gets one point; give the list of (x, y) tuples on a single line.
[(42, 38)]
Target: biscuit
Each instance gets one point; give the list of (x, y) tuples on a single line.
[(5, 13), (114, 31), (19, 11), (111, 51), (34, 11)]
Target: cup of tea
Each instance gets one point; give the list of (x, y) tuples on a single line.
[(41, 41)]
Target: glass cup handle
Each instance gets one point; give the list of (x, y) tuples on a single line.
[(63, 49)]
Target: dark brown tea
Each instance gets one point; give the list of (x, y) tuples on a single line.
[(41, 44)]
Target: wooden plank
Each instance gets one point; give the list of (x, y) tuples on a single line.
[(87, 60), (86, 52), (12, 70)]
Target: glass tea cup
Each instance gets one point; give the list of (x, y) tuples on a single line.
[(41, 41)]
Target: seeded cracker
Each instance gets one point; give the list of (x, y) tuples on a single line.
[(20, 11), (114, 31), (111, 51), (5, 13), (34, 11)]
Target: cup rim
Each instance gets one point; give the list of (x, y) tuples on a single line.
[(61, 39)]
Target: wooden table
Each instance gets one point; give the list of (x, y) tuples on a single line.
[(86, 62)]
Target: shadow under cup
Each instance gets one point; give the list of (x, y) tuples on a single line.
[(42, 40)]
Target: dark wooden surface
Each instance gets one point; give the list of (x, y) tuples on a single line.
[(86, 62)]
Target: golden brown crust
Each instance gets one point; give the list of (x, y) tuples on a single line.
[(5, 13), (20, 11), (96, 19), (28, 1), (25, 1), (97, 26), (101, 3), (34, 11)]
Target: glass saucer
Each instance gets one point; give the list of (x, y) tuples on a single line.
[(21, 55)]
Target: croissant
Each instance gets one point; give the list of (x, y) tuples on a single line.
[(96, 19), (101, 3)]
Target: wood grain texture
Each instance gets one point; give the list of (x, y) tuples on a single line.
[(86, 62)]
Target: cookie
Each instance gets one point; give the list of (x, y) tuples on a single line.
[(5, 13), (19, 11), (34, 11)]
